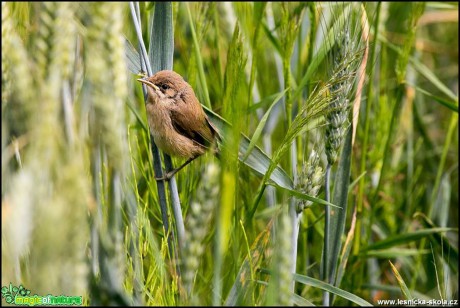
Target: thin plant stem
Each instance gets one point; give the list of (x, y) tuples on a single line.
[(296, 218), (327, 218)]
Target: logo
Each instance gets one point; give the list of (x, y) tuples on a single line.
[(21, 296)]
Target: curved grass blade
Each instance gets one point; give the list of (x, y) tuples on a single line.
[(303, 196), (300, 301), (423, 70), (449, 252), (452, 105), (346, 250), (406, 238), (428, 74), (402, 285), (196, 49), (264, 101), (261, 125), (327, 287)]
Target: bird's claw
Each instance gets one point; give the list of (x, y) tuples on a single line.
[(166, 177)]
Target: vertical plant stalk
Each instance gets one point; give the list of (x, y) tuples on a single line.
[(274, 117), (145, 63), (291, 20), (163, 61), (327, 218), (234, 77), (161, 52)]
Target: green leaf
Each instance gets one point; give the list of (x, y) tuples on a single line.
[(161, 47), (338, 217), (415, 13), (300, 301), (272, 38), (132, 58), (303, 196), (449, 252), (452, 105), (423, 70), (261, 125), (196, 50), (327, 287), (392, 253), (264, 101), (406, 238), (428, 74)]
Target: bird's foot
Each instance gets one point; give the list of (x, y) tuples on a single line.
[(166, 177)]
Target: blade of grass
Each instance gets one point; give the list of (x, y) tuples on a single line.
[(393, 253), (423, 70), (327, 287), (406, 238), (452, 105), (260, 126), (402, 285), (449, 252), (303, 196), (161, 52), (196, 49), (338, 217), (346, 251)]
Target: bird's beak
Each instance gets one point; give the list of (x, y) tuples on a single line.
[(145, 81)]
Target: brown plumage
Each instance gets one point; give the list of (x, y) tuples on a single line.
[(176, 119)]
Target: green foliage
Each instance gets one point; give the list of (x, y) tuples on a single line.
[(80, 204)]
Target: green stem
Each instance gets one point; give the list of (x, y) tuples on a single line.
[(287, 83), (327, 218)]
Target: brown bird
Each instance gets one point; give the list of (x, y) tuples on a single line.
[(176, 119)]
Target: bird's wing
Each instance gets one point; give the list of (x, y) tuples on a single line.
[(193, 124)]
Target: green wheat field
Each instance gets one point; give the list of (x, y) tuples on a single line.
[(336, 181)]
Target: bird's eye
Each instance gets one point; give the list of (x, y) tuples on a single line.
[(164, 86)]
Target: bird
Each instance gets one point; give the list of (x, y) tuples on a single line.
[(176, 119)]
